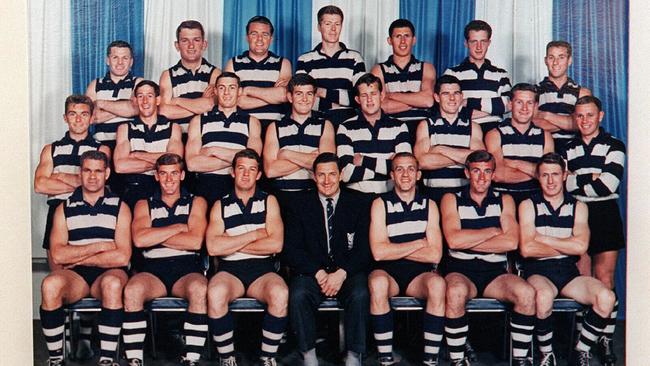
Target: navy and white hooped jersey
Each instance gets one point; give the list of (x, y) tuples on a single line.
[(376, 144), (231, 132), (263, 74), (404, 80), (560, 101), (527, 146), (336, 74), (301, 137), (473, 216), (486, 88), (65, 157), (457, 133), (405, 222), (153, 140), (106, 89), (240, 219), (557, 223), (162, 215), (604, 155), (91, 223), (189, 84)]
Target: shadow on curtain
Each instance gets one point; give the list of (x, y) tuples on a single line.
[(94, 25), (439, 30), (598, 30), (291, 20)]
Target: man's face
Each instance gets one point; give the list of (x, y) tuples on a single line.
[(93, 175), (259, 38), (119, 61), (405, 173), (169, 177), (191, 44), (450, 98), (227, 92), (147, 101), (78, 118), (551, 179), (587, 117), (246, 173), (330, 28), (369, 98), (477, 43), (523, 106), (328, 178), (557, 61), (480, 176), (402, 40), (302, 99)]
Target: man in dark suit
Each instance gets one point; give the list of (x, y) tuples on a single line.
[(327, 251)]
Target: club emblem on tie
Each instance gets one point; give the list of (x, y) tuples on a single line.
[(350, 240)]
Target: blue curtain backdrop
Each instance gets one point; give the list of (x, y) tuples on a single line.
[(598, 30), (94, 25), (439, 29), (292, 20)]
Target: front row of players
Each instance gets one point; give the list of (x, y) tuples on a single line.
[(327, 250)]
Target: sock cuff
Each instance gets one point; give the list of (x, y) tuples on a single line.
[(221, 325), (383, 322), (52, 318), (544, 324), (456, 322), (594, 320), (432, 323), (134, 316), (522, 319), (273, 323)]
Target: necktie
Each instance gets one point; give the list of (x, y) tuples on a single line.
[(330, 223)]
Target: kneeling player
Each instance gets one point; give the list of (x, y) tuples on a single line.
[(169, 227), (405, 240), (554, 234), (245, 230)]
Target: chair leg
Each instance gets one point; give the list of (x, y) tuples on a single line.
[(341, 331), (152, 330), (73, 337)]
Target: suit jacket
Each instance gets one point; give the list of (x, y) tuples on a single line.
[(305, 249)]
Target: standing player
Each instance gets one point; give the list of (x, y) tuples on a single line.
[(445, 140), (263, 74), (596, 162), (216, 136), (558, 94), (480, 227), (91, 241), (405, 241), (244, 232), (485, 86), (554, 234), (335, 67), (517, 146), (408, 81)]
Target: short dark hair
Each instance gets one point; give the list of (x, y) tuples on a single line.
[(189, 24), (405, 154), (150, 83), (479, 156), (478, 25), (169, 159), (228, 74), (588, 99), (247, 153), (401, 23), (119, 44), (525, 87), (445, 79), (551, 158), (368, 79), (562, 44), (301, 79), (78, 99), (326, 157), (93, 155), (329, 9), (260, 19)]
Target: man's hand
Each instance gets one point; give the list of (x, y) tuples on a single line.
[(209, 92), (595, 176), (333, 283), (357, 160)]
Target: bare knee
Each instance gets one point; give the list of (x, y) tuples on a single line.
[(197, 292), (456, 297), (134, 292), (278, 299), (52, 291), (218, 298), (111, 287), (524, 299), (436, 288), (544, 302), (604, 303), (378, 287)]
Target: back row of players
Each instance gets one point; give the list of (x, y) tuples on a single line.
[(224, 113)]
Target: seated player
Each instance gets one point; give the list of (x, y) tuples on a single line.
[(91, 240), (405, 241), (169, 228), (554, 234), (244, 232), (480, 227)]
